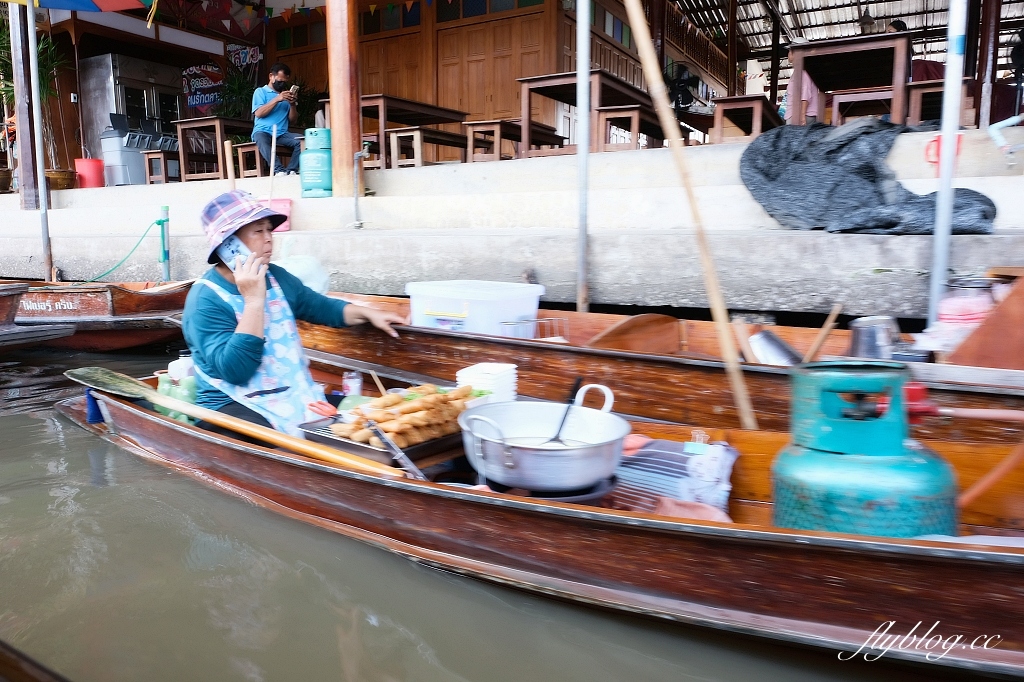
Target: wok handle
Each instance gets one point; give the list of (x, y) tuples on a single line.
[(609, 397), (478, 450)]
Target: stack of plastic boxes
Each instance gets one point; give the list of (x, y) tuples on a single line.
[(500, 379)]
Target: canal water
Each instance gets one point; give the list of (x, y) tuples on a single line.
[(113, 568)]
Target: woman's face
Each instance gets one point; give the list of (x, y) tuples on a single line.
[(258, 237)]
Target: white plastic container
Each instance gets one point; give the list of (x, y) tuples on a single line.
[(475, 306), (182, 367)]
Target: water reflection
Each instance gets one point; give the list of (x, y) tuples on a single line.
[(114, 568)]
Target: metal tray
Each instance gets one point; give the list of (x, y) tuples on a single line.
[(320, 432)]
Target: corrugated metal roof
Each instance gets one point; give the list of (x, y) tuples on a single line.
[(822, 19)]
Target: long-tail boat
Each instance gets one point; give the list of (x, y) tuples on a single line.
[(107, 316), (828, 590), (662, 368), (19, 336)]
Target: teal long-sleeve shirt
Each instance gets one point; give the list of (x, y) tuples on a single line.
[(209, 325)]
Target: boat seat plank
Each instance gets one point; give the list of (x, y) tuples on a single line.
[(646, 333)]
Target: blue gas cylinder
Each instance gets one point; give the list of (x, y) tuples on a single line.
[(850, 466), (315, 163)]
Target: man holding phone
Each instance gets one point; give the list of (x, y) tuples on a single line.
[(275, 105)]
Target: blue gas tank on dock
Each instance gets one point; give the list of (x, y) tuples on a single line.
[(315, 164), (850, 467)]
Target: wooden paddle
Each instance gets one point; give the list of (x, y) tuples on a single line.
[(108, 381), (674, 137)]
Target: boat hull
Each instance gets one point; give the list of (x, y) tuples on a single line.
[(108, 317), (807, 588), (14, 336)]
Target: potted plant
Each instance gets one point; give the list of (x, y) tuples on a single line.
[(51, 61)]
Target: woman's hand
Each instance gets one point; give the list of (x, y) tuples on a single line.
[(251, 279), (381, 319)]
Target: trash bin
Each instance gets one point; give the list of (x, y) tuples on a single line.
[(90, 172), (123, 164)]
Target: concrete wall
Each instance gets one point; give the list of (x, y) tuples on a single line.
[(496, 220)]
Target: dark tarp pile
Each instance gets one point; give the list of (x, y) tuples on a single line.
[(817, 176)]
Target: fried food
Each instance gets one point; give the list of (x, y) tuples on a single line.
[(344, 430), (361, 436), (460, 393), (425, 389), (385, 401)]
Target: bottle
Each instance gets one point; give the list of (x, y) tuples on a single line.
[(182, 367), (352, 383), (163, 387)]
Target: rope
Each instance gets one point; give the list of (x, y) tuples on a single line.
[(122, 261)]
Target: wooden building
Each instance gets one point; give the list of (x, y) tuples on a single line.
[(467, 54)]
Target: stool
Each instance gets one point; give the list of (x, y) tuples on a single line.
[(609, 116), (750, 114), (158, 166), (244, 150)]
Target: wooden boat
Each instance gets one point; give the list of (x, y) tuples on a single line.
[(17, 666), (19, 336), (810, 588), (107, 316), (667, 371)]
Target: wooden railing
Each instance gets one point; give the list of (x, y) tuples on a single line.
[(692, 42)]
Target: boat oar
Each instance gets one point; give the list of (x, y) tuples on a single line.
[(674, 138), (108, 381)]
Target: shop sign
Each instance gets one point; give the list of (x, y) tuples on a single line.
[(202, 85), (244, 55)]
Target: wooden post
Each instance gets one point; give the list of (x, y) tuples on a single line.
[(987, 57), (973, 31), (343, 76), (674, 139), (27, 161), (733, 48), (659, 13), (773, 93)]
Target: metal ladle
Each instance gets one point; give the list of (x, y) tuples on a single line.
[(572, 394)]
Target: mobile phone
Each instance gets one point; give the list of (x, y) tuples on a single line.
[(231, 248), (294, 89)]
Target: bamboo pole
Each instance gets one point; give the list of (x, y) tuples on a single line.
[(229, 156), (673, 137), (826, 329)]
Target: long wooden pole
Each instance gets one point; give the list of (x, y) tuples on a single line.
[(22, 79), (583, 135), (674, 138), (343, 76)]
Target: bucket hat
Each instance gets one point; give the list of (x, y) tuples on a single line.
[(230, 212)]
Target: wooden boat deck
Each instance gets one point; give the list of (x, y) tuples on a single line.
[(818, 589)]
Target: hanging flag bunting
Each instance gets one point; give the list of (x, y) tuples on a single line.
[(373, 8), (245, 25), (270, 12), (321, 10), (202, 21), (227, 23), (286, 14), (266, 19), (408, 5), (391, 8), (305, 11), (430, 2)]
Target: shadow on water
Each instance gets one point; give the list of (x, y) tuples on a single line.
[(117, 569), (33, 380)]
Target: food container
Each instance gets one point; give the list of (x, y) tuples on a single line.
[(320, 432), (509, 443), (475, 306), (873, 337)]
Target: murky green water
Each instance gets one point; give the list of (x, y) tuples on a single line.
[(112, 568)]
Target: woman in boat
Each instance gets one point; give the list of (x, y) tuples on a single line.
[(239, 322)]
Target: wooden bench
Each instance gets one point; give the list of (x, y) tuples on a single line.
[(258, 169), (916, 91), (862, 95), (633, 118), (417, 136), (493, 133), (157, 172), (752, 114)]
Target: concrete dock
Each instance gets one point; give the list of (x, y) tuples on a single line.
[(496, 220)]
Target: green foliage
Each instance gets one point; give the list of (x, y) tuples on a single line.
[(235, 95), (51, 61)]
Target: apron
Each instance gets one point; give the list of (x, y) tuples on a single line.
[(282, 387)]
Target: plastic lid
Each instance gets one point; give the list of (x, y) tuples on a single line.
[(474, 289), (185, 353)]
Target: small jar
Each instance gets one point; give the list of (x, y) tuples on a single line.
[(352, 383)]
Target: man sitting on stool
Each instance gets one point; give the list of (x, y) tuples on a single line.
[(275, 104)]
